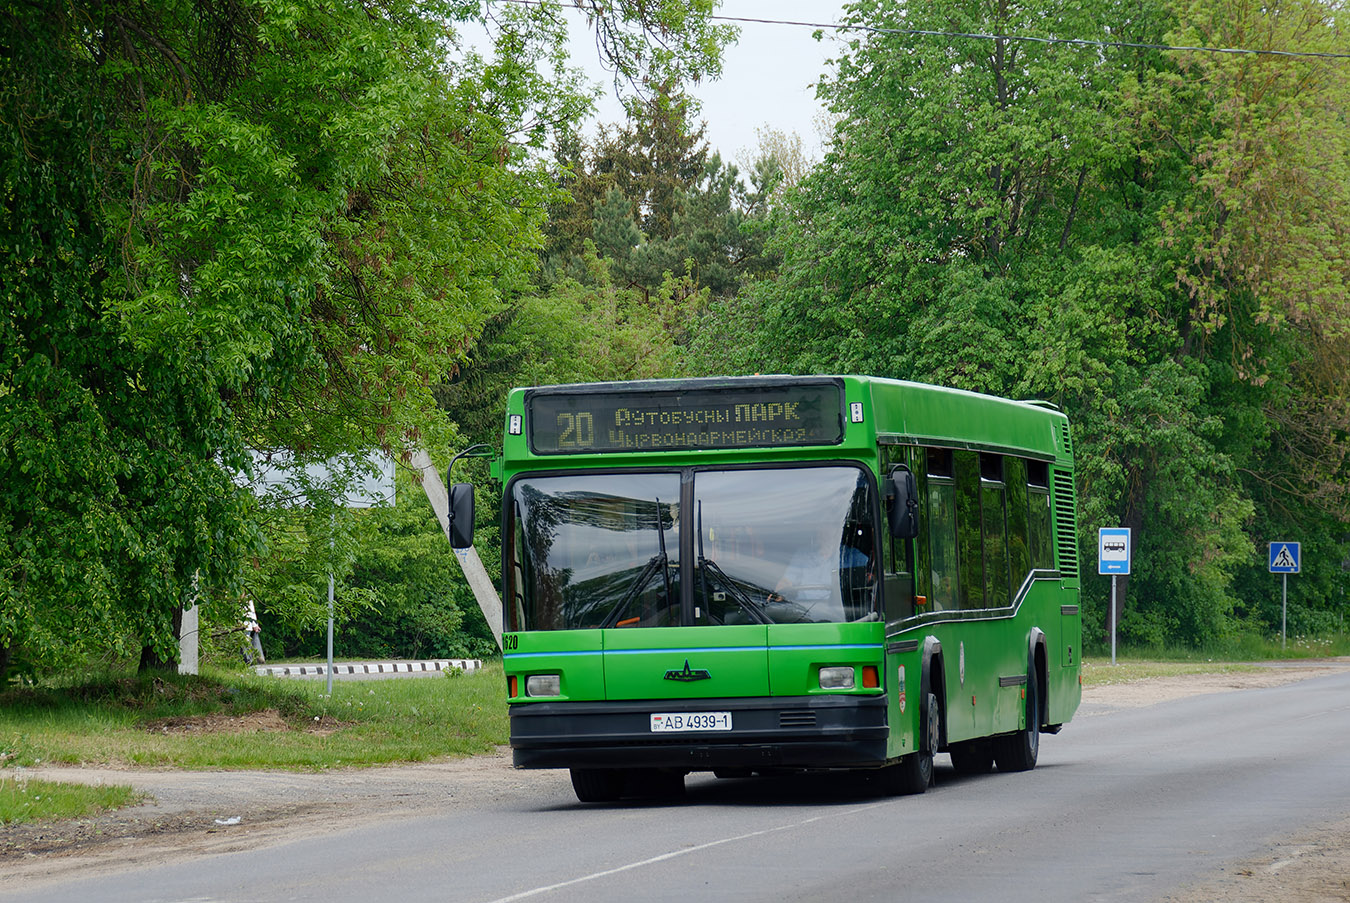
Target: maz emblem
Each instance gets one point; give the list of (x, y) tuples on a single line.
[(688, 674)]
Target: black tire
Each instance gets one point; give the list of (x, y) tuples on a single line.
[(597, 785), (972, 757), (914, 773), (1018, 752)]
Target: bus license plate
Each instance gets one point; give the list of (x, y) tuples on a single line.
[(665, 722)]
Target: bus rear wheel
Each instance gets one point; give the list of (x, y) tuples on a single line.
[(972, 757), (597, 785), (1019, 751)]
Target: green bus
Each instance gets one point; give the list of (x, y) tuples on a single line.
[(783, 573)]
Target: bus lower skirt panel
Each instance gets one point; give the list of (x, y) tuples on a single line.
[(799, 732)]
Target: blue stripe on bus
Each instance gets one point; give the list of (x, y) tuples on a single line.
[(872, 646)]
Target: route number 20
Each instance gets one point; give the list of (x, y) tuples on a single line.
[(576, 430)]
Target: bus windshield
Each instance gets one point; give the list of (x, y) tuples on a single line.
[(595, 550), (769, 545)]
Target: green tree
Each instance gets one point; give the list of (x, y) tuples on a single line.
[(1262, 236), (276, 224), (714, 236), (652, 162), (616, 233), (1062, 222), (656, 204), (112, 500)]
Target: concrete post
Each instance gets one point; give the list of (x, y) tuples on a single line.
[(472, 565)]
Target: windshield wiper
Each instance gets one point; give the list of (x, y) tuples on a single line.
[(706, 565), (737, 593), (659, 560)]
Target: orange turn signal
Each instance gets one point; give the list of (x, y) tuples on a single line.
[(871, 680)]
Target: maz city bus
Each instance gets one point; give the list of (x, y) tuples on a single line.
[(783, 573)]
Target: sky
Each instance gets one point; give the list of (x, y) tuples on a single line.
[(768, 76)]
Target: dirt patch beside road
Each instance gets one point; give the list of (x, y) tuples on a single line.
[(252, 723), (191, 813)]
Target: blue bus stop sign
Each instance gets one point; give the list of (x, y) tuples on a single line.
[(1285, 558), (1113, 550)]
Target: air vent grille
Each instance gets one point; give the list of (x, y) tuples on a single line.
[(796, 719), (1066, 525), (1066, 438)]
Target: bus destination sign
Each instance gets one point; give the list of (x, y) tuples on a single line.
[(672, 419)]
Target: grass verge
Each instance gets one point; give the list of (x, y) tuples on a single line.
[(1243, 647), (242, 721), (23, 800), (1101, 673)]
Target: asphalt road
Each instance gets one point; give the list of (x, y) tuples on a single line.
[(1126, 805)]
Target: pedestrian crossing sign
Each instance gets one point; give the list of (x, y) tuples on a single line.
[(1285, 558)]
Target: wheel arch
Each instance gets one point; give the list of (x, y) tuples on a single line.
[(1038, 664), (933, 678)]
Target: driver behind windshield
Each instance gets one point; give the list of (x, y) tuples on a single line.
[(812, 574)]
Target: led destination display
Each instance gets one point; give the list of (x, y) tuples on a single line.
[(668, 419)]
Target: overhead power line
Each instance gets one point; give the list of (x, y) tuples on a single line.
[(1030, 39)]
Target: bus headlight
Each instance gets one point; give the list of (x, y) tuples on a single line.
[(836, 678), (543, 685)]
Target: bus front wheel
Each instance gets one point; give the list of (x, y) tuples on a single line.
[(597, 785), (914, 773), (657, 784)]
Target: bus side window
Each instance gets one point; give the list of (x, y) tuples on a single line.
[(970, 548), (1019, 553), (1039, 515), (939, 529), (995, 531)]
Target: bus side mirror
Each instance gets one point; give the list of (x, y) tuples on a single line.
[(902, 504), (461, 515)]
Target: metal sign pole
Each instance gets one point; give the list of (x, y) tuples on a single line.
[(1114, 578), (1285, 558), (329, 689)]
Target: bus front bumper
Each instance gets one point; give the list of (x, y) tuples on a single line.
[(770, 732)]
